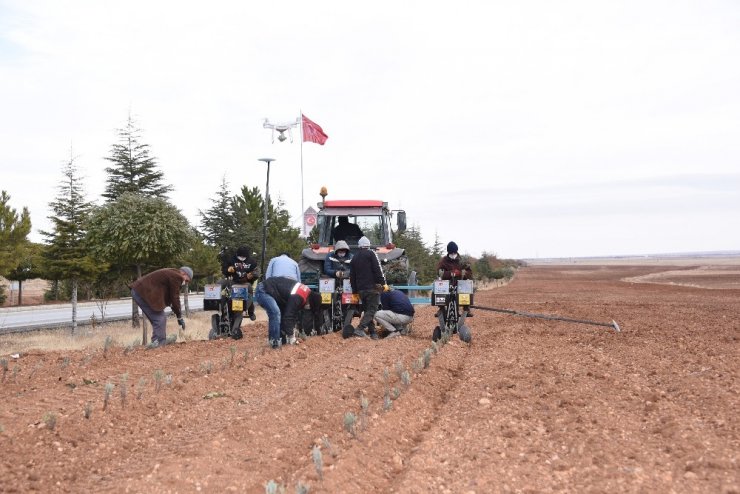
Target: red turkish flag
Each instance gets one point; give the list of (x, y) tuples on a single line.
[(312, 132)]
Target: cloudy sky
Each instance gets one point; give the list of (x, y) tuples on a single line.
[(526, 129)]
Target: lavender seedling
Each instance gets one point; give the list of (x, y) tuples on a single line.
[(418, 364), (350, 423), (107, 391), (387, 403), (395, 393), (245, 356), (140, 388), (4, 365), (406, 378), (301, 488), (318, 462), (65, 362), (158, 376), (124, 388), (50, 419), (87, 411), (232, 352), (400, 369), (107, 345), (34, 370), (272, 487), (328, 446), (364, 405), (207, 367), (427, 357)]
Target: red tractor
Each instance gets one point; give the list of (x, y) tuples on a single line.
[(369, 218)]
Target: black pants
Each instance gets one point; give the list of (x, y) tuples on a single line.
[(370, 300)]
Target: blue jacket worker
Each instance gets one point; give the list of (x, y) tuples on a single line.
[(283, 299), (396, 314), (284, 266)]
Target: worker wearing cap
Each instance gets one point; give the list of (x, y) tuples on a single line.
[(157, 290)]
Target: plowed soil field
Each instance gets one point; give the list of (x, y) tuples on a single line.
[(529, 406)]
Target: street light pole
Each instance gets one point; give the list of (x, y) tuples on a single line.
[(264, 221)]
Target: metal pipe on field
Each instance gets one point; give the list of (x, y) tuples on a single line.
[(612, 324)]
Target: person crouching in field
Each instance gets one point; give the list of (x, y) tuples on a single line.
[(157, 290), (283, 298), (396, 314)]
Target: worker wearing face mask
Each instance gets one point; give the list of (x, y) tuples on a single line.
[(243, 269), (451, 267), (336, 263)]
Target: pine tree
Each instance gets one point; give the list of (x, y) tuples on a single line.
[(67, 255), (218, 223), (14, 231), (133, 169), (139, 232)]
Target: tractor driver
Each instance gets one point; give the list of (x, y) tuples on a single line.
[(346, 230)]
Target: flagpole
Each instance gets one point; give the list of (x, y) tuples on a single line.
[(303, 226)]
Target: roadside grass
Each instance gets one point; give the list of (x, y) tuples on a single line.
[(118, 333)]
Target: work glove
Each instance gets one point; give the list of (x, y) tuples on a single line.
[(455, 273), (340, 274), (386, 288), (231, 269), (181, 322)]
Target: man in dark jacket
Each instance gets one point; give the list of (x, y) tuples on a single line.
[(397, 312), (283, 299), (346, 230), (451, 267), (243, 269), (367, 280), (157, 290)]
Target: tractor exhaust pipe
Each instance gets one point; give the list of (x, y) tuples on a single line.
[(612, 325)]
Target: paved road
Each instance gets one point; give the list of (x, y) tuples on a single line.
[(14, 319)]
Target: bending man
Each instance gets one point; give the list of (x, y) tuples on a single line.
[(157, 290)]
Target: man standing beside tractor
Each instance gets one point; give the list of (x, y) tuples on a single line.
[(367, 279)]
